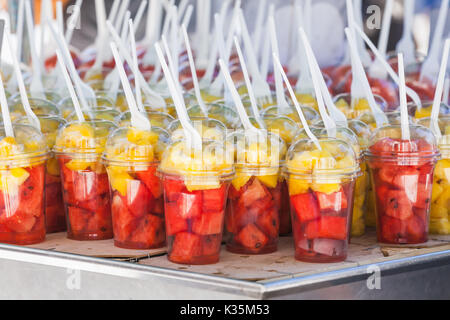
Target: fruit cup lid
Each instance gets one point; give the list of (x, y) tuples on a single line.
[(99, 113), (49, 127), (39, 107), (444, 140), (83, 137), (387, 143), (207, 128), (157, 119), (216, 111), (129, 145), (27, 148), (310, 114), (336, 158)]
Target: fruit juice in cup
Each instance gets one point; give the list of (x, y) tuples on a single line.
[(310, 114), (402, 176), (55, 217), (217, 111), (78, 148), (253, 214), (39, 107), (157, 119), (440, 197), (131, 158), (344, 103), (321, 185), (195, 194), (66, 105), (22, 174)]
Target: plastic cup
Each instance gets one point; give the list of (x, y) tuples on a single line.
[(344, 103), (321, 187), (22, 174), (51, 96), (98, 113), (157, 119), (425, 112), (87, 204), (131, 158), (440, 214), (66, 105), (208, 128), (39, 107), (55, 217), (310, 114), (218, 112), (402, 175), (254, 201), (195, 194)]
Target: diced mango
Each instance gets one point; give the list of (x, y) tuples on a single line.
[(240, 180), (437, 191), (423, 113), (307, 99), (438, 212), (441, 226), (78, 165), (361, 104), (53, 167), (270, 181), (327, 188), (297, 186)]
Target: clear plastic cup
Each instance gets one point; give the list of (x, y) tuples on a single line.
[(22, 174), (425, 111), (343, 102), (195, 187), (321, 186), (157, 119), (55, 217), (254, 202), (98, 113), (78, 148), (402, 175), (217, 111), (39, 107), (131, 158), (310, 114), (208, 128), (440, 213), (66, 105), (51, 96)]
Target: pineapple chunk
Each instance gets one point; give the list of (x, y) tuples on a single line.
[(307, 99), (438, 212), (53, 167), (361, 104), (327, 188), (79, 165), (441, 226), (119, 179), (423, 113), (240, 180), (437, 191), (269, 181), (297, 186)]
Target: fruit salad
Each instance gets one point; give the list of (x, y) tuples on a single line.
[(440, 197), (253, 216), (157, 119), (402, 176), (321, 185), (55, 217), (354, 108), (39, 107), (131, 157), (22, 174), (67, 109), (79, 146), (195, 184)]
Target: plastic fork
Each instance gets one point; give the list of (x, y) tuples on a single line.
[(406, 43)]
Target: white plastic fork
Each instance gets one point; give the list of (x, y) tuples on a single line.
[(260, 86), (430, 67), (406, 43)]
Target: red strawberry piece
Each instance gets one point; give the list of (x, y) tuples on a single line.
[(211, 244), (328, 227), (397, 205), (252, 238), (190, 204), (139, 200), (392, 230), (329, 247), (150, 232), (173, 188), (185, 247), (151, 181), (175, 223), (78, 219), (208, 223), (306, 206), (214, 200), (415, 228), (269, 222), (255, 191), (336, 201), (123, 221)]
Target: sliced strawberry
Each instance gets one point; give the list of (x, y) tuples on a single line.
[(336, 201), (252, 238), (208, 223), (328, 227), (306, 206), (175, 223), (397, 205)]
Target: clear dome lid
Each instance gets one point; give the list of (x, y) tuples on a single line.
[(51, 96), (444, 140), (39, 107), (310, 114), (387, 143), (359, 128), (49, 127), (83, 137), (283, 126), (28, 147), (131, 145), (334, 158), (207, 128), (157, 119), (216, 111), (99, 113)]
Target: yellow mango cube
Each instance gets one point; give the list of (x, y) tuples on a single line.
[(270, 181), (240, 180), (441, 226), (297, 186)]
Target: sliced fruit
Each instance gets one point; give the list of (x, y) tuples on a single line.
[(240, 180), (269, 222), (397, 205), (416, 229), (392, 230), (255, 191), (306, 207), (214, 200), (208, 223), (152, 182), (251, 238), (123, 221), (329, 247), (327, 227), (173, 188), (269, 181), (211, 244), (78, 218), (139, 200), (185, 247), (336, 201), (20, 222), (149, 232), (190, 204), (175, 223)]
